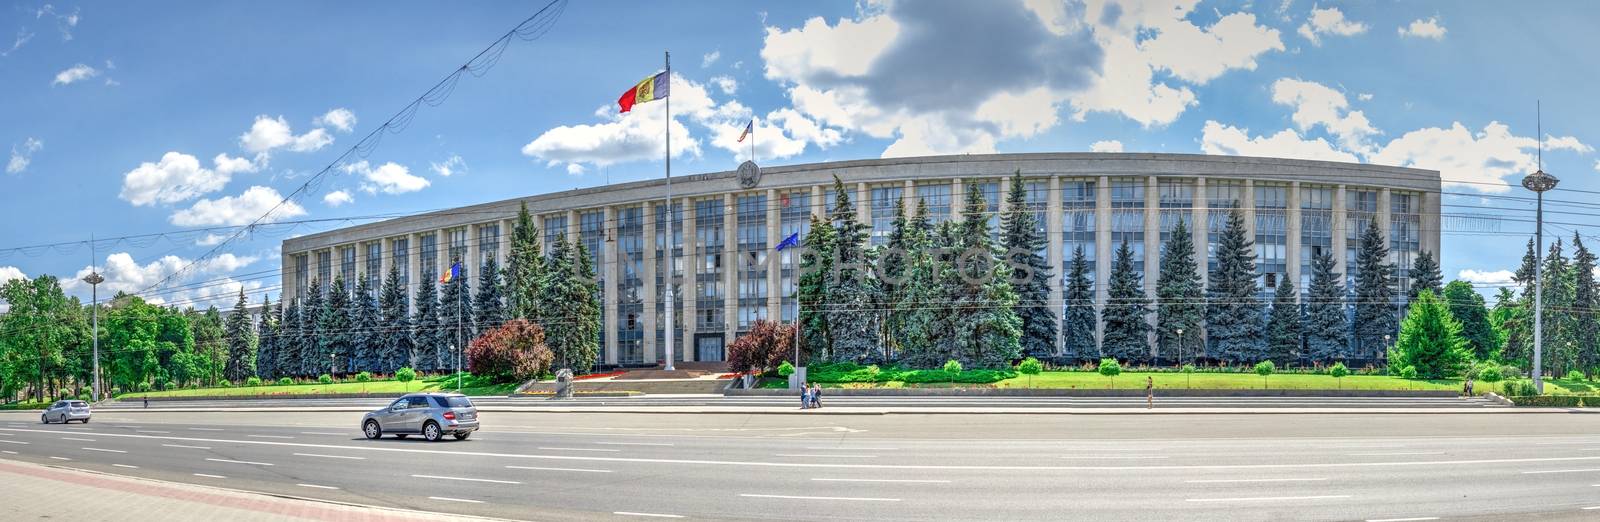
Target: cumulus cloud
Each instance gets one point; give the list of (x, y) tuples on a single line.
[(74, 74), (452, 165), (180, 177), (1419, 28), (1106, 146), (1480, 160), (388, 178), (339, 118), (575, 169), (243, 209), (633, 136), (1487, 277), (1329, 21), (710, 58), (783, 133), (337, 198), (726, 83), (22, 155), (8, 273), (1318, 105), (1217, 138), (268, 133), (123, 274)]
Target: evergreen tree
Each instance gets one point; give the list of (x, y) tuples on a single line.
[(1326, 331), (1374, 293), (1078, 330), (1510, 320), (242, 345), (1180, 296), (1425, 275), (1527, 270), (267, 338), (1467, 306), (1430, 341), (1558, 303), (570, 335), (816, 265), (333, 329), (1284, 326), (1233, 311), (1024, 244), (210, 345), (525, 270), (1585, 334), (426, 327), (489, 305), (926, 337), (366, 336), (1126, 330), (308, 343), (852, 292), (455, 316), (284, 362), (586, 309), (394, 340), (891, 270)]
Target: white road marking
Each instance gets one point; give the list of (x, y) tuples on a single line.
[(315, 486), (151, 431), (846, 448), (580, 449), (1224, 481), (104, 450), (318, 433), (188, 447), (208, 476), (1592, 507), (77, 439), (798, 497), (241, 462), (1401, 519), (12, 441), (560, 469), (636, 444), (329, 456), (270, 436), (1122, 457), (125, 466), (636, 514), (909, 481), (60, 458), (1561, 471), (1397, 453), (206, 429), (8, 452), (804, 455), (466, 479), (1261, 499), (448, 499)]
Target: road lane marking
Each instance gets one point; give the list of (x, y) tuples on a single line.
[(270, 436), (77, 439), (206, 429), (1401, 519), (12, 441), (8, 452), (1396, 453), (848, 448), (318, 433), (208, 475), (636, 444), (151, 431), (580, 449), (466, 479), (560, 469), (241, 462), (125, 466), (448, 499), (804, 455), (1265, 499), (1118, 457), (1592, 507), (908, 481), (329, 456), (637, 514), (187, 447), (104, 450), (1225, 481), (315, 486), (1561, 471), (799, 497), (60, 458)]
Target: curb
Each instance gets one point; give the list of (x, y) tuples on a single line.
[(929, 410), (1089, 392)]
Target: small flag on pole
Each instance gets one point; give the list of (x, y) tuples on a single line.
[(651, 89), (792, 240), (452, 274), (748, 128)]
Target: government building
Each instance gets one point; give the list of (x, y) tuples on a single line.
[(728, 224)]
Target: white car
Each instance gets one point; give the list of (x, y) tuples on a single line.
[(64, 411)]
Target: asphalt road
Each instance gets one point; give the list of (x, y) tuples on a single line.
[(895, 467), (893, 402)]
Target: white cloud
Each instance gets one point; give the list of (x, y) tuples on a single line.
[(1366, 96), (1329, 21), (1228, 140), (269, 133), (726, 83), (1106, 146), (179, 177), (452, 165), (1478, 160), (243, 209), (8, 273), (123, 274), (339, 118), (22, 155), (22, 39), (73, 74), (1316, 104), (781, 134), (1419, 28), (337, 198), (1487, 277), (633, 136), (710, 58), (575, 169), (388, 178)]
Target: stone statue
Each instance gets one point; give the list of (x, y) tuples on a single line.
[(563, 384)]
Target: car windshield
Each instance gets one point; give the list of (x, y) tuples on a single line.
[(79, 404), (452, 402)]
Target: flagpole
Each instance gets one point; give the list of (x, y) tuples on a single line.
[(670, 229)]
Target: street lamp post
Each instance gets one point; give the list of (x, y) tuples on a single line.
[(1180, 346), (1539, 183), (94, 281)]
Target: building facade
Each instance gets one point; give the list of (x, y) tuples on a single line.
[(726, 229)]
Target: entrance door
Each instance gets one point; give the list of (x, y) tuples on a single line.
[(708, 347)]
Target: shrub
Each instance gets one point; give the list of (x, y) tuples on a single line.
[(252, 381), (1574, 375), (85, 397), (1110, 368), (1030, 367), (1490, 373), (785, 369), (1511, 372), (285, 381), (325, 379), (1408, 372), (225, 383), (160, 383), (405, 374), (767, 345), (1265, 368), (116, 390), (1188, 373), (1338, 371), (144, 386), (1519, 388), (513, 351), (1555, 401), (364, 377), (952, 366)]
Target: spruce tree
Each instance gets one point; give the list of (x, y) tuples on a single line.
[(241, 342), (426, 327), (985, 323), (1180, 297), (366, 335), (893, 264), (1233, 311), (309, 345), (1527, 270), (1326, 330), (395, 346), (1078, 330), (334, 330), (570, 335), (1430, 341), (1511, 321), (1558, 304), (284, 363), (851, 297), (1284, 325), (1024, 246), (585, 309), (525, 270), (1425, 275), (489, 305), (1126, 331), (924, 331), (1468, 307), (816, 265), (1585, 334), (1375, 295), (267, 339)]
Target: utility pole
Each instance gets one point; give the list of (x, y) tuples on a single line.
[(1539, 183), (94, 281)]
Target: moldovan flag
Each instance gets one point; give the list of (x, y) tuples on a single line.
[(452, 274), (748, 128), (651, 89)]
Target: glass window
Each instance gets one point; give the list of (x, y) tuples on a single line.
[(458, 245), (592, 235), (884, 201), (324, 268), (302, 278), (1272, 232), (554, 228), (374, 267), (1222, 196), (675, 273), (752, 266), (428, 256), (1127, 218), (708, 275), (1316, 229), (347, 266), (630, 286), (1405, 225), (796, 217), (416, 402), (937, 195), (488, 243), (991, 200)]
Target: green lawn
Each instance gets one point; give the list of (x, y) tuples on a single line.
[(1226, 381), (471, 386)]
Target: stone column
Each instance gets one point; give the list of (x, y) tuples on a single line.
[(1199, 229), (609, 266), (288, 292), (864, 206), (1152, 254), (1054, 227), (413, 268), (572, 227), (908, 195), (1341, 228), (689, 288), (1248, 204), (647, 275), (774, 260), (1431, 227), (819, 207), (504, 252), (1102, 249), (385, 261), (1386, 217), (474, 255), (1292, 240), (441, 252), (1003, 193), (958, 197), (731, 263)]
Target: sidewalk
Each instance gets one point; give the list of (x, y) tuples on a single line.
[(36, 492)]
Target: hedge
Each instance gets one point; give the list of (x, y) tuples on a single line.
[(850, 372), (1555, 401)]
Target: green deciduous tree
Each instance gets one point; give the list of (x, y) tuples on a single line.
[(1430, 341), (1467, 306)]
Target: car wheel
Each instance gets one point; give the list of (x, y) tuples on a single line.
[(86, 420), (432, 432), (372, 430), (44, 419), (462, 435)]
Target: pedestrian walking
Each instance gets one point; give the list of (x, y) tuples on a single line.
[(1468, 387), (805, 395), (147, 401), (816, 395), (1149, 392)]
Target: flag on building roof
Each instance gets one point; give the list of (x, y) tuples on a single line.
[(651, 89), (748, 128), (451, 274), (792, 240)]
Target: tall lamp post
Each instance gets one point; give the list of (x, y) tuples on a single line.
[(1180, 346), (94, 281), (1539, 183)]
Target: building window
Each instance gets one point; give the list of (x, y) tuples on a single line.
[(488, 244), (752, 265), (324, 269), (1361, 207), (302, 268), (428, 253), (937, 196), (347, 267), (592, 235), (991, 200), (1316, 229), (630, 286), (1405, 222), (1077, 226), (1177, 204), (1272, 232), (555, 227), (669, 268), (796, 222), (884, 201), (401, 257), (1037, 199), (708, 275), (1127, 218), (1222, 197), (458, 246)]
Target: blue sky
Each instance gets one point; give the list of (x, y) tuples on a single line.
[(122, 119)]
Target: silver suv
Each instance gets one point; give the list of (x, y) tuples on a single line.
[(430, 414), (65, 411)]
